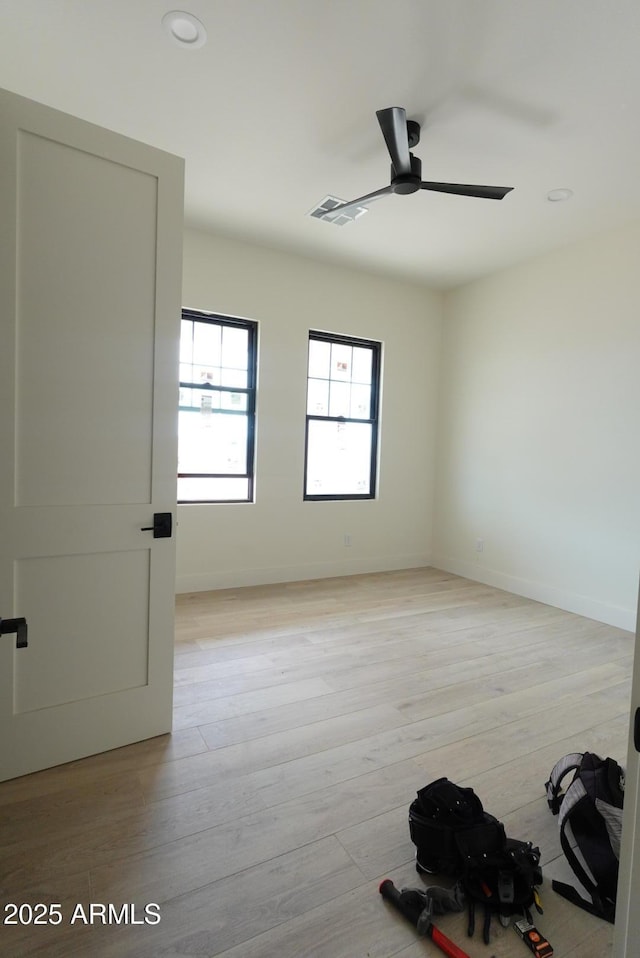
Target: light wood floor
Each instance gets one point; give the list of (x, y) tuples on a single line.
[(307, 716)]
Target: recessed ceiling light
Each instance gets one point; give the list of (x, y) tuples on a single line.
[(559, 196), (185, 29)]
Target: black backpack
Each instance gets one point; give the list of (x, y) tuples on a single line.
[(456, 838), (591, 811)]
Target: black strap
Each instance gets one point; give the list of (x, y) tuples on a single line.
[(585, 880), (486, 928), (471, 927), (569, 892)]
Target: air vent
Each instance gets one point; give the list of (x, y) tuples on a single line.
[(323, 211)]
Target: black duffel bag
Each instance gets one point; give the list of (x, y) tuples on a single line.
[(455, 838)]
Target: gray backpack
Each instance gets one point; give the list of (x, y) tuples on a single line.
[(590, 819)]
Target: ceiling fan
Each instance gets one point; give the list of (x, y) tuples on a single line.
[(401, 135)]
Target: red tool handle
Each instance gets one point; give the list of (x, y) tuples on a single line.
[(445, 944)]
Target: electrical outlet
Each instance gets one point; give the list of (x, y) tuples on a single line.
[(479, 545), (347, 539)]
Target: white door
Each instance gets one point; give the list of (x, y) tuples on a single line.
[(627, 927), (90, 277)]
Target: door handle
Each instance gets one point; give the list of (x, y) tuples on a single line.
[(19, 626), (636, 730), (162, 525)]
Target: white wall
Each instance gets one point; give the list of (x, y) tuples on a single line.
[(280, 537), (539, 431)]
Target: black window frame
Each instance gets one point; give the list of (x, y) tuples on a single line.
[(251, 326), (373, 420)]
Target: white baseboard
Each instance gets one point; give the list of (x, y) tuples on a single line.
[(237, 578), (617, 616)]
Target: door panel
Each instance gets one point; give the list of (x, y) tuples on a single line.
[(84, 329), (106, 638), (90, 273)]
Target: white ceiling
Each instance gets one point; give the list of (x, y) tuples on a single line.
[(277, 110)]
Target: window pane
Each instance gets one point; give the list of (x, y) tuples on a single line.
[(234, 377), (360, 402), (341, 361), (319, 358), (210, 441), (235, 348), (362, 365), (186, 397), (338, 458), (212, 490), (234, 401), (186, 373), (206, 374), (206, 344), (318, 397), (339, 399)]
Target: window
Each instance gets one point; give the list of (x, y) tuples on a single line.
[(342, 417), (216, 419)]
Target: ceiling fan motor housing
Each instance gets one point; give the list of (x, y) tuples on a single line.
[(408, 182)]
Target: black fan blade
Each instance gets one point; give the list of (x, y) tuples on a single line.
[(464, 189), (393, 123), (359, 202)]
